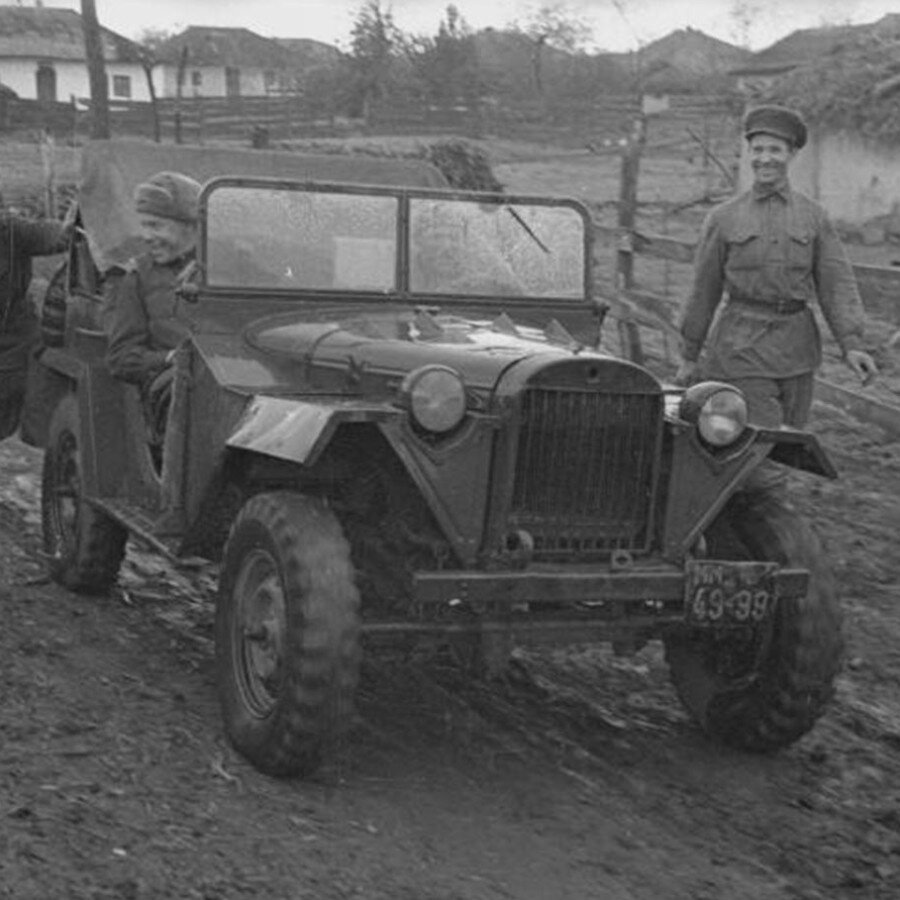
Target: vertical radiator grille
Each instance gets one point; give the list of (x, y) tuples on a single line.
[(586, 471)]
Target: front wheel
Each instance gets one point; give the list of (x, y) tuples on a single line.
[(287, 626), (763, 689), (84, 546)]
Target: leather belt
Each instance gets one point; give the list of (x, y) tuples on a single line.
[(787, 307)]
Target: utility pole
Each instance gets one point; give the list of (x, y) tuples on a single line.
[(627, 216), (93, 48)]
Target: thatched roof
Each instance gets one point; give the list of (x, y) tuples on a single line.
[(239, 47), (799, 48), (807, 45), (307, 53), (51, 33), (856, 86)]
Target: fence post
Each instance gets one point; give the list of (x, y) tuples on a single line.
[(48, 159), (627, 214), (201, 119), (179, 90)]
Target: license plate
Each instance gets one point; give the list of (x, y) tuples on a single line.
[(728, 593)]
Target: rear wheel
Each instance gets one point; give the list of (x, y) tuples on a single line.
[(763, 689), (287, 627), (84, 546)]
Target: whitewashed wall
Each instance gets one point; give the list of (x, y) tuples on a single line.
[(71, 78), (212, 82)]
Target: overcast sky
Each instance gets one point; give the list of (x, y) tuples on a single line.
[(617, 24)]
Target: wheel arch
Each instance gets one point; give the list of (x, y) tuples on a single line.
[(451, 474)]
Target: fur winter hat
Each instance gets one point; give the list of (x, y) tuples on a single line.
[(169, 195)]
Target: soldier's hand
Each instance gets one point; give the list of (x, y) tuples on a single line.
[(68, 221), (161, 384), (862, 364), (686, 373)]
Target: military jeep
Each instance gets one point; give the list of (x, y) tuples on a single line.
[(393, 421)]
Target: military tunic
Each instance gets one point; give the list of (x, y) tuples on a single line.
[(773, 253), (142, 319)]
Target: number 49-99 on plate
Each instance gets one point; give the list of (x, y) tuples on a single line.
[(728, 593)]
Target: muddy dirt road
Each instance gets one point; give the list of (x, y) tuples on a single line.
[(576, 775)]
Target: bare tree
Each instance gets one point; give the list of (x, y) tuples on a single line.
[(150, 41), (551, 25), (93, 48)]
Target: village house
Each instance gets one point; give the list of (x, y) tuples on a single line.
[(223, 62), (42, 57)]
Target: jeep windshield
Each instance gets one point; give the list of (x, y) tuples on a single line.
[(318, 238)]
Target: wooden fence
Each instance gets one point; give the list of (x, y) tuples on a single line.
[(287, 117)]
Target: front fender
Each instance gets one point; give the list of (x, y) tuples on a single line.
[(701, 481), (797, 449), (298, 430)]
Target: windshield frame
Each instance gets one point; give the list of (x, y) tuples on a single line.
[(403, 196)]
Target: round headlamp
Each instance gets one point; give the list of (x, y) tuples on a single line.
[(435, 397), (718, 410)]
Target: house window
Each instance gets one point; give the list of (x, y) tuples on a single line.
[(121, 85), (270, 80), (196, 78)]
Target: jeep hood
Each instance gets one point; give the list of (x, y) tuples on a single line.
[(399, 341)]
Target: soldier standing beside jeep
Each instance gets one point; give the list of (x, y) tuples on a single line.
[(773, 251), (144, 329), (20, 240)]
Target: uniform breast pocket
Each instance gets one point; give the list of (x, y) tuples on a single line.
[(800, 249), (744, 250)]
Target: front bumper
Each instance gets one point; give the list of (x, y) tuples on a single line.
[(556, 604), (585, 585)]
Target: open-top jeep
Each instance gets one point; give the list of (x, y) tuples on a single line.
[(392, 420)]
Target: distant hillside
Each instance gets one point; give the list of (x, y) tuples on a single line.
[(693, 51), (507, 61), (686, 59)]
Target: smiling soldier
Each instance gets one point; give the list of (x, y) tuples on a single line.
[(143, 326), (773, 252)]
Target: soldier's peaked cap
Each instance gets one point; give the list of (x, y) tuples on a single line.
[(777, 120)]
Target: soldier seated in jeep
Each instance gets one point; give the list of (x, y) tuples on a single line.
[(144, 330)]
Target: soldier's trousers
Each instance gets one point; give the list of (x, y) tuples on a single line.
[(772, 403)]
